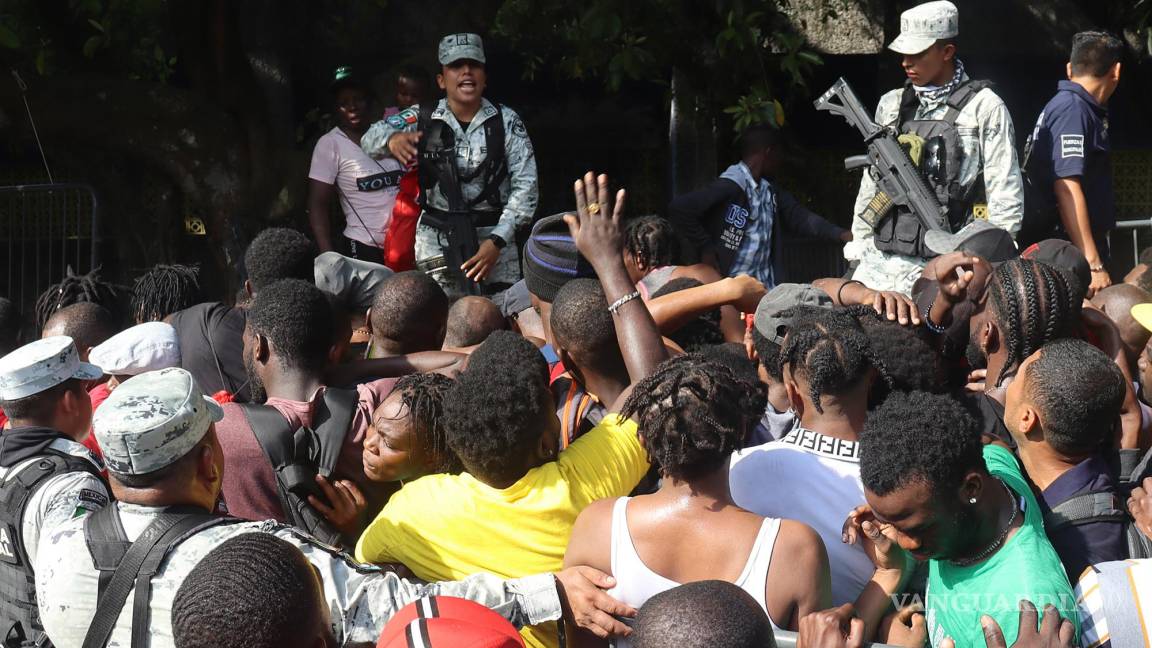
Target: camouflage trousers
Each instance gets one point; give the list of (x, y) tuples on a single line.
[(430, 244)]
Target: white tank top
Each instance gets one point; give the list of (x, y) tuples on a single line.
[(636, 583)]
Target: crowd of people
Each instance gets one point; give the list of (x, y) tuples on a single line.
[(390, 438)]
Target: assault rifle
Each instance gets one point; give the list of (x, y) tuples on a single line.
[(897, 176)]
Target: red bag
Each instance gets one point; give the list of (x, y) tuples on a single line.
[(400, 240)]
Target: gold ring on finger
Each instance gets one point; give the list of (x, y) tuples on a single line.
[(593, 208)]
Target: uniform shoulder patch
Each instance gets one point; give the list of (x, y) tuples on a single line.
[(404, 118), (1071, 145), (517, 126), (89, 497)]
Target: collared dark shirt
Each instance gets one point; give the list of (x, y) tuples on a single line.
[(1071, 140), (1085, 544)]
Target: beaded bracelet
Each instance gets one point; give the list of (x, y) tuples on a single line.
[(939, 330)]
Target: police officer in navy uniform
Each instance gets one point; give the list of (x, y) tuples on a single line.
[(1068, 157), (46, 476), (477, 171)]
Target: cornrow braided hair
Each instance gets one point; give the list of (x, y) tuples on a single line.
[(73, 289), (692, 414), (1033, 303), (832, 353), (652, 240), (163, 290), (423, 396)]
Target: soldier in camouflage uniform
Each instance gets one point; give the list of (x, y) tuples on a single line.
[(160, 444), (46, 476), (988, 174), (497, 191)]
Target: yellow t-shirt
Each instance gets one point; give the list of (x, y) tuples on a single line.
[(446, 527)]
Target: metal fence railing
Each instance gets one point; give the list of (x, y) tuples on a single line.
[(1130, 236), (45, 229)]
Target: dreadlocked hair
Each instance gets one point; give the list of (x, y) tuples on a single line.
[(163, 290), (692, 414), (73, 289), (831, 352), (1034, 303), (422, 395), (652, 240)]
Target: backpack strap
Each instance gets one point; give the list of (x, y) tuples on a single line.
[(1086, 508), (137, 567), (332, 422), (274, 434)]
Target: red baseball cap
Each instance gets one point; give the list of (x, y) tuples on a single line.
[(446, 621)]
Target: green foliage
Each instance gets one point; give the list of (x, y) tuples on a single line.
[(734, 51)]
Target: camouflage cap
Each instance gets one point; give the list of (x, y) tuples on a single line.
[(41, 365), (923, 25), (455, 47), (152, 420)]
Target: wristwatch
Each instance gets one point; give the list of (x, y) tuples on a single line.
[(499, 242)]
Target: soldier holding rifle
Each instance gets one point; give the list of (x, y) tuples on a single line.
[(959, 134)]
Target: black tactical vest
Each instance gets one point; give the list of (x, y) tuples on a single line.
[(437, 164), (939, 156), (19, 616)]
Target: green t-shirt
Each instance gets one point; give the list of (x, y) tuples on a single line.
[(1026, 567)]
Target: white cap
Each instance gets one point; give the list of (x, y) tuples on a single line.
[(923, 25), (144, 347), (41, 365)]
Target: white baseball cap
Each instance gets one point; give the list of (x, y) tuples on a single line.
[(145, 347)]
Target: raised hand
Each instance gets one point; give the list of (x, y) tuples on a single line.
[(954, 272), (595, 226)]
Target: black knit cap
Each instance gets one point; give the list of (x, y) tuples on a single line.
[(551, 259)]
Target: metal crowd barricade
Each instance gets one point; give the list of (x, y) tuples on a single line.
[(785, 639), (1135, 227), (44, 230)]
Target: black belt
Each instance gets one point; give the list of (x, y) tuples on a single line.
[(478, 218)]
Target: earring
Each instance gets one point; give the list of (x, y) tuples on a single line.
[(971, 500)]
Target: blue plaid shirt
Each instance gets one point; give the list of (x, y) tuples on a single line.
[(755, 255)]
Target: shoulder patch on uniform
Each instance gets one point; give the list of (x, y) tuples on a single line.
[(1071, 146), (518, 128), (403, 118), (489, 110), (90, 500)]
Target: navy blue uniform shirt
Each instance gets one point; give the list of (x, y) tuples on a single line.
[(1085, 544), (1071, 140)]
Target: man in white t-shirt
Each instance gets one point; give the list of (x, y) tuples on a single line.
[(813, 474), (366, 187)]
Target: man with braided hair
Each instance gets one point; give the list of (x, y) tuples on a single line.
[(692, 413), (829, 369), (73, 289), (163, 290)]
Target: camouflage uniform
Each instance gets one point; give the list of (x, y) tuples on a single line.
[(361, 598), (54, 477), (986, 135), (519, 192), (150, 422)]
